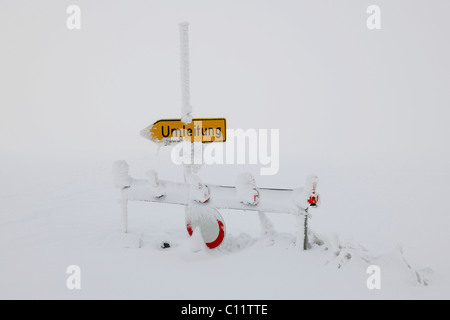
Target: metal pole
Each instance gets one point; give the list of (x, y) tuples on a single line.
[(186, 108), (305, 240)]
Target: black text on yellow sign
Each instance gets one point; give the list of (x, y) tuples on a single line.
[(199, 130)]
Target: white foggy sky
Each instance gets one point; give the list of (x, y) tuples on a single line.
[(340, 94)]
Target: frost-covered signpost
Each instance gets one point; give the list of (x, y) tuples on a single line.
[(205, 221), (186, 108), (201, 201)]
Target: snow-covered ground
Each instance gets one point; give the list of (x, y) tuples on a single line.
[(56, 215)]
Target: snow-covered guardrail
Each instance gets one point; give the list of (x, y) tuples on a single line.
[(244, 196)]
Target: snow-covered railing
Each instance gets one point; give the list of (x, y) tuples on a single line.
[(245, 196)]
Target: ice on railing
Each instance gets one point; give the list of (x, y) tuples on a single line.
[(198, 190), (156, 188), (245, 196), (307, 196), (150, 187), (246, 190), (121, 178)]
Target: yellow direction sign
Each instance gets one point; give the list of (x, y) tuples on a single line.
[(199, 130)]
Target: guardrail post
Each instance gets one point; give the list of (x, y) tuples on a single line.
[(305, 240), (124, 211)]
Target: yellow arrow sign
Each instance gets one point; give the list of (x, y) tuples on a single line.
[(199, 130)]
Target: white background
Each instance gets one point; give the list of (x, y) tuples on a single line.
[(366, 110)]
